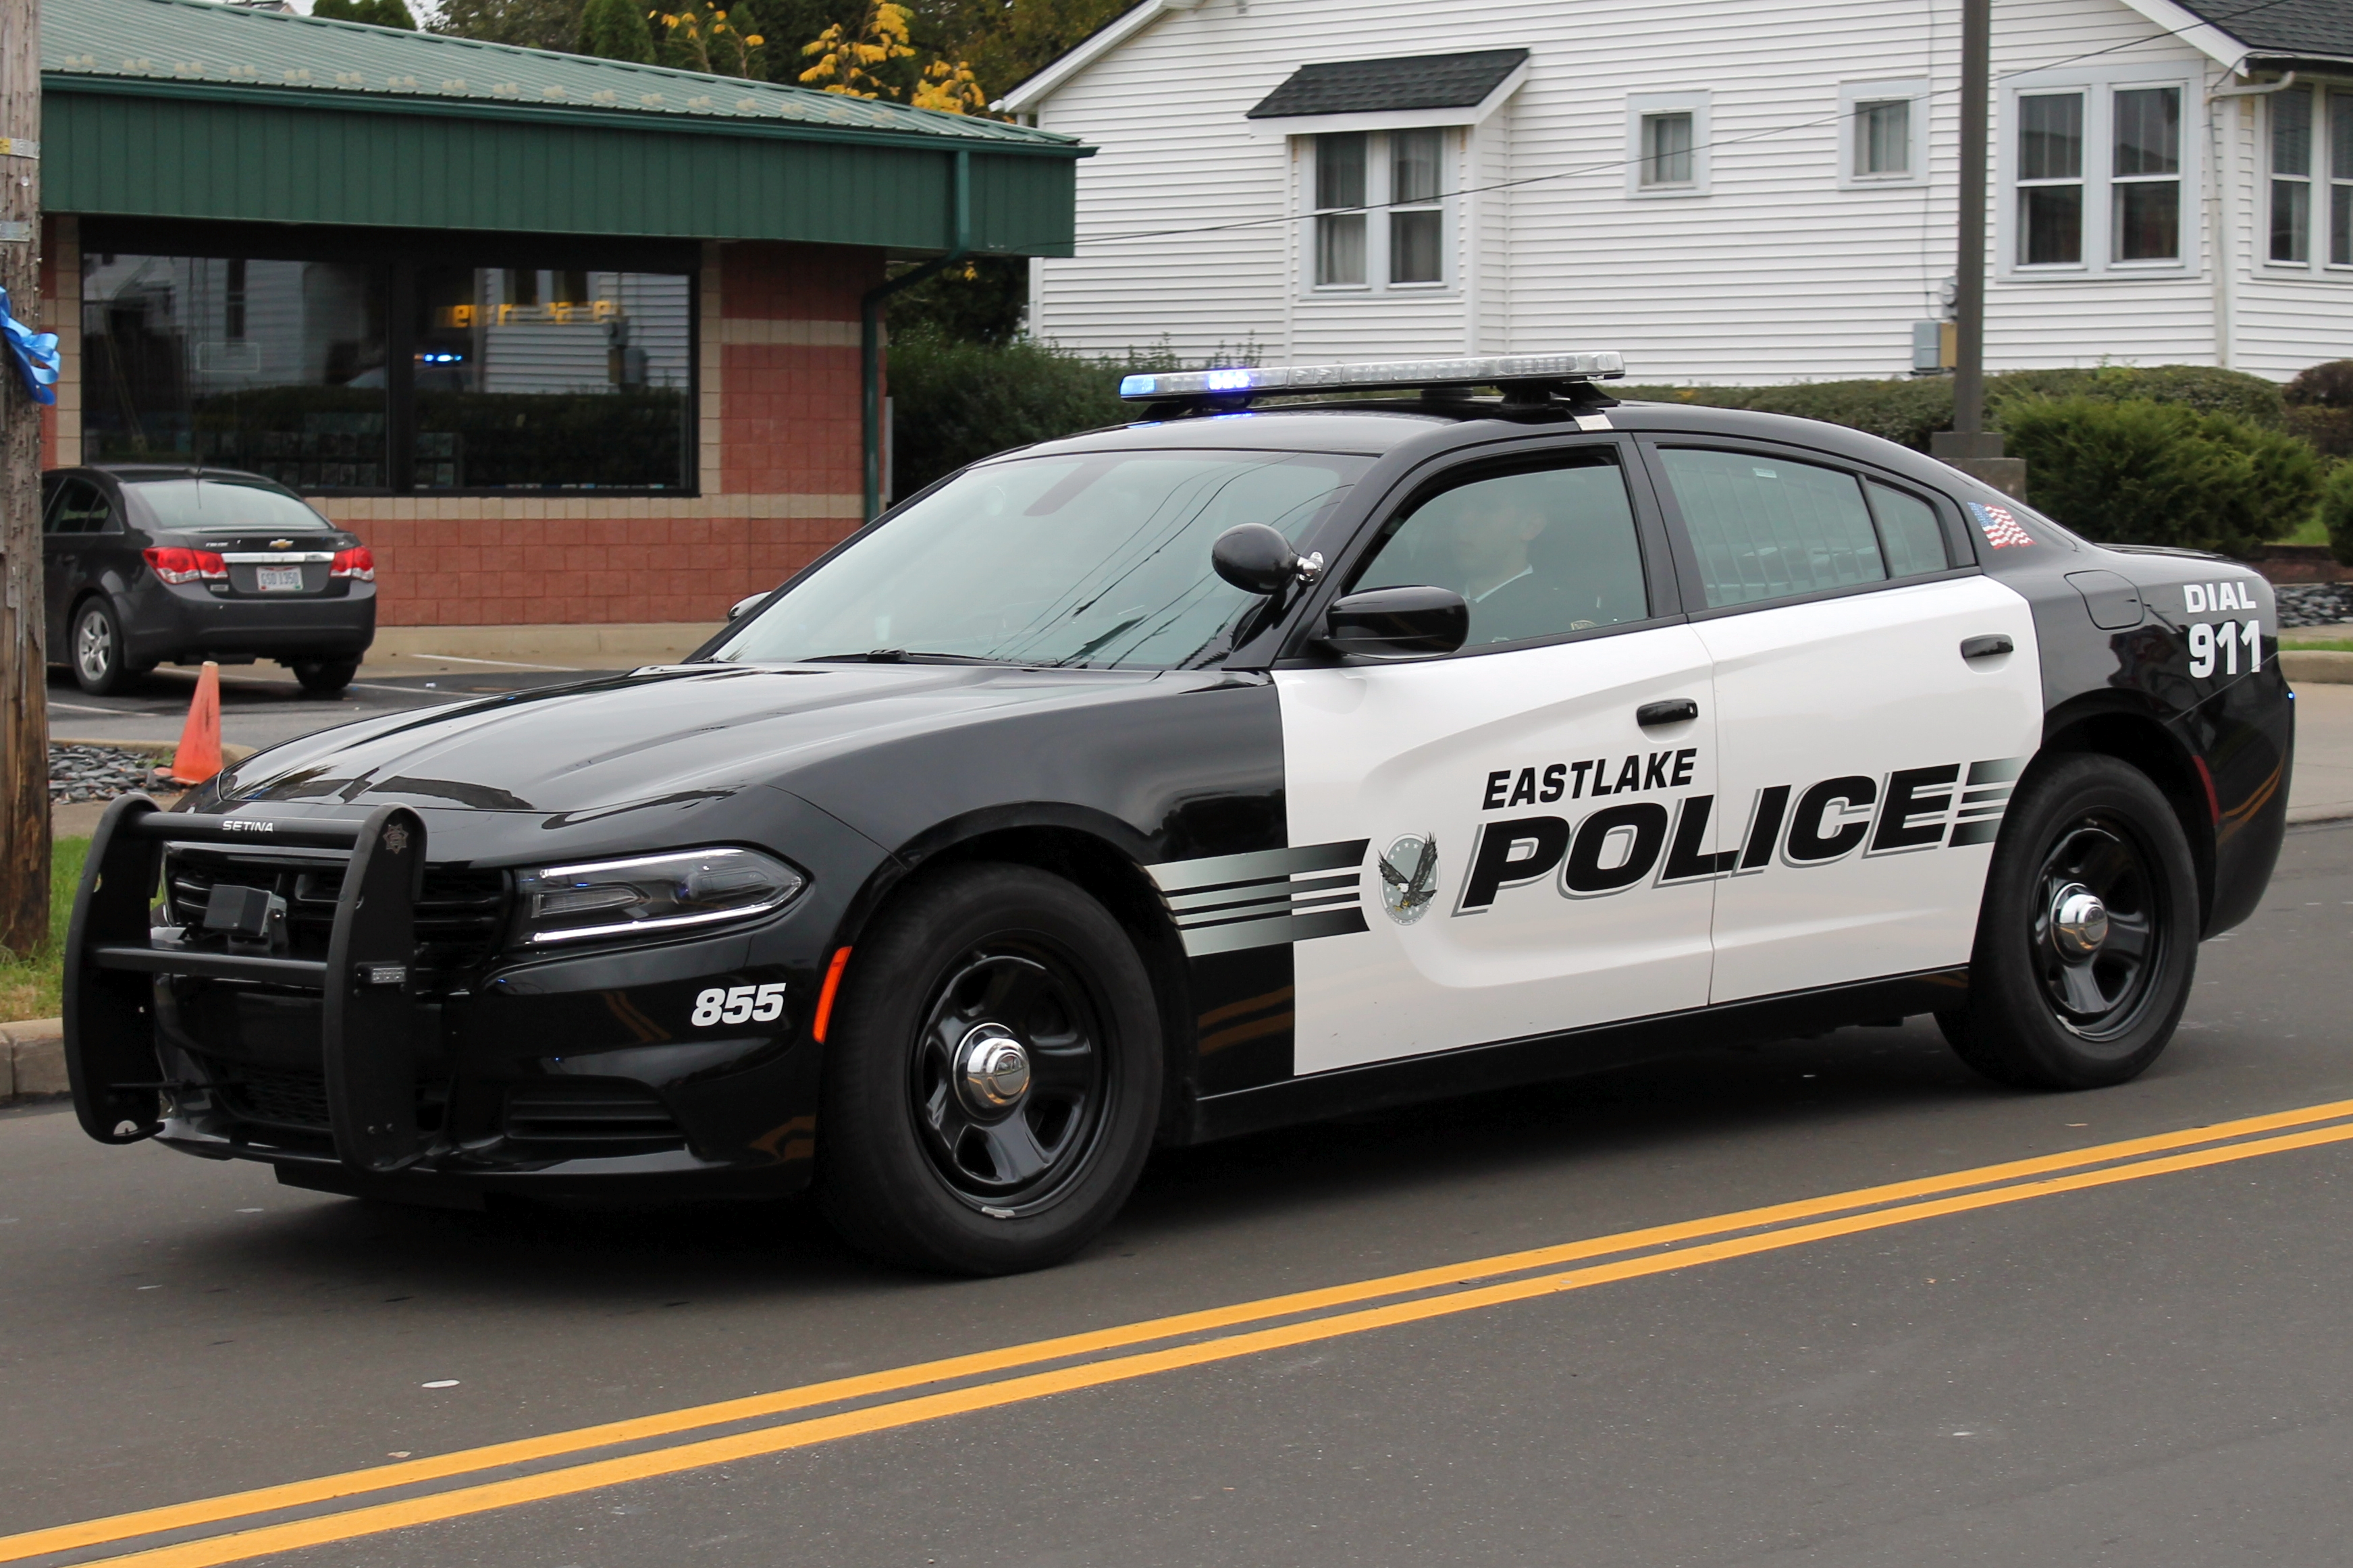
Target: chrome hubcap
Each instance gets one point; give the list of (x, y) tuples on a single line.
[(2079, 922), (93, 646), (992, 1069)]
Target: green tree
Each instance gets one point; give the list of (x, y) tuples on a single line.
[(374, 13), (616, 30), (534, 23)]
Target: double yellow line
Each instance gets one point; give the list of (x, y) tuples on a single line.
[(882, 1401)]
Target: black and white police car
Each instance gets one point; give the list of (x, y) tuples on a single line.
[(1258, 761)]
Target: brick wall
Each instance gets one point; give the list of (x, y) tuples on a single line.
[(778, 468)]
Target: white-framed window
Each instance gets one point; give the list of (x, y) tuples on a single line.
[(2094, 169), (2308, 183), (1884, 133), (1382, 202), (1666, 144)]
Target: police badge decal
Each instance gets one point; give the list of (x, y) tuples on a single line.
[(1410, 876)]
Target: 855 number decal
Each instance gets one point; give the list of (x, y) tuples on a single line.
[(739, 1004)]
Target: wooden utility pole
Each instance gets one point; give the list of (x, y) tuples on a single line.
[(1969, 446), (23, 664)]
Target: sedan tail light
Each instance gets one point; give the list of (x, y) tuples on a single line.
[(174, 565), (357, 562)]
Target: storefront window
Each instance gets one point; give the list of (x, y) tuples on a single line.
[(532, 379), (479, 378), (275, 366)]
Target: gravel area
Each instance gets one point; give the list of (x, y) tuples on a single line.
[(2314, 603), (98, 772)]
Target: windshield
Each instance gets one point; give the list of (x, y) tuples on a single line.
[(1098, 560), (228, 506)]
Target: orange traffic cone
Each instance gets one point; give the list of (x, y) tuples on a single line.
[(199, 756)]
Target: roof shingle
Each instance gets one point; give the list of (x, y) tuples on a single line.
[(2284, 28), (1378, 87)]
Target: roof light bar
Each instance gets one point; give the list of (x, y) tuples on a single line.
[(1486, 370)]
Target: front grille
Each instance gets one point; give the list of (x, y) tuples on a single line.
[(274, 1097), (581, 1117), (459, 914)]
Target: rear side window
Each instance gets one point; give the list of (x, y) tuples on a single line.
[(1766, 528), (80, 508), (1536, 551)]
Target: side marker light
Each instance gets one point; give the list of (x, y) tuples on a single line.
[(825, 996)]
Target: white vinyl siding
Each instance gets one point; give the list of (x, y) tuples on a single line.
[(1790, 268)]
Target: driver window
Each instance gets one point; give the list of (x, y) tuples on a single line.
[(1535, 552)]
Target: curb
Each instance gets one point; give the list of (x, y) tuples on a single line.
[(32, 1059), (618, 642), (2321, 666), (231, 752)]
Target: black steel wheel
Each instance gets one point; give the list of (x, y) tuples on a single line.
[(1006, 1082), (2088, 937), (992, 1074)]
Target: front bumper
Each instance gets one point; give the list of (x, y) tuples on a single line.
[(398, 1066)]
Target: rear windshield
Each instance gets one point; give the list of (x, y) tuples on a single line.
[(228, 506)]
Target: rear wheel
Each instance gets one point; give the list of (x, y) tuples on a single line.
[(94, 647), (2087, 939), (325, 677), (992, 1075)]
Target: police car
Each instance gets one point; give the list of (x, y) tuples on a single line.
[(1260, 759)]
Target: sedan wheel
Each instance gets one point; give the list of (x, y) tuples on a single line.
[(2088, 937), (97, 649)]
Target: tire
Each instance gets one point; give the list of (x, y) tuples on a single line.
[(2057, 1005), (94, 649), (324, 677), (915, 1164)]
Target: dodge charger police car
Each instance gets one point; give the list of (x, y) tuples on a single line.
[(1257, 761)]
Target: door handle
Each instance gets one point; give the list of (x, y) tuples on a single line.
[(1985, 647), (1673, 710)]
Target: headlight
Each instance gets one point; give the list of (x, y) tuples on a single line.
[(648, 893)]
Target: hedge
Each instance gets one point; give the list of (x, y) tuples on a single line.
[(2143, 472), (2336, 511)]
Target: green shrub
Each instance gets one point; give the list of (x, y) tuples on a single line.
[(2336, 511), (2141, 472), (2320, 407), (954, 403), (2201, 387)]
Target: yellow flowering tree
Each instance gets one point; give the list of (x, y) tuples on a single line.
[(699, 37), (860, 64)]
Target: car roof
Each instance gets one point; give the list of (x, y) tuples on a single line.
[(135, 473), (1375, 428)]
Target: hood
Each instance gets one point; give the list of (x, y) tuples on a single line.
[(667, 734)]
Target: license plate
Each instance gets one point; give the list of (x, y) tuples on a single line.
[(279, 579)]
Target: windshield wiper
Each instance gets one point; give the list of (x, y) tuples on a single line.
[(902, 655)]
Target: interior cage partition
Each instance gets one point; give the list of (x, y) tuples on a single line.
[(113, 960)]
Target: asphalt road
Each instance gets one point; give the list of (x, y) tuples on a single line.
[(2142, 1360)]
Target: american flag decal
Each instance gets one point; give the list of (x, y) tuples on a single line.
[(2001, 525)]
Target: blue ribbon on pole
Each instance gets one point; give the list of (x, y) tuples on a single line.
[(34, 354)]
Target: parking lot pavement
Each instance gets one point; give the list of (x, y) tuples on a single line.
[(261, 704), (2131, 1353)]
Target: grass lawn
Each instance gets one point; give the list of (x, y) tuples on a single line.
[(2312, 532), (29, 986), (2289, 640)]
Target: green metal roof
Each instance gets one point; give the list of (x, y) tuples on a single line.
[(203, 47), (185, 108)]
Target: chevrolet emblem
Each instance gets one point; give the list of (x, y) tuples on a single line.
[(281, 544)]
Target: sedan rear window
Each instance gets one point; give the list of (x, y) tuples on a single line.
[(226, 506)]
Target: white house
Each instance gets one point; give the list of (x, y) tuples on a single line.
[(1730, 190)]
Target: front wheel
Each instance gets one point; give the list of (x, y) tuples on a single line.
[(992, 1075), (2087, 939)]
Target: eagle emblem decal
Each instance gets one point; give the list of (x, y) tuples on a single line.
[(1410, 876)]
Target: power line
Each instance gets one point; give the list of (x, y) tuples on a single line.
[(1607, 164)]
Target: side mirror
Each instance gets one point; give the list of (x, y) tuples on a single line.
[(1397, 623), (742, 608), (1257, 560)]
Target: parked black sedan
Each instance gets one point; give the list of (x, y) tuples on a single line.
[(146, 563)]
